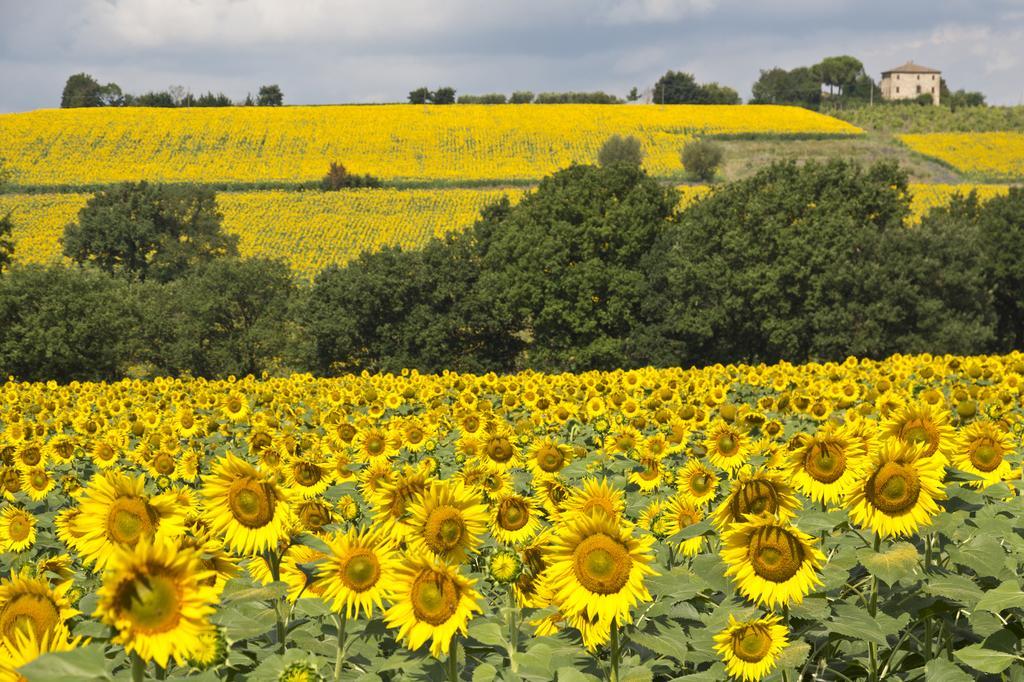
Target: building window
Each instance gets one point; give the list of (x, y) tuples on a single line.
[(897, 89), (919, 89)]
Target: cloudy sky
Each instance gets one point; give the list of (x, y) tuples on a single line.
[(322, 51)]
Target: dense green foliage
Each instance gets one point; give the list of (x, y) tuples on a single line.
[(145, 230), (621, 149), (596, 268), (338, 177), (844, 76), (701, 159), (914, 119), (270, 96), (678, 87), (6, 243), (82, 90)]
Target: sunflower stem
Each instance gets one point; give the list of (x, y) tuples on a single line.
[(872, 609), (513, 631), (138, 668), (613, 675), (339, 658), (453, 661), (275, 572)]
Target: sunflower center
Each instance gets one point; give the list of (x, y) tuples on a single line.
[(602, 564), (986, 456), (756, 497), (152, 603), (917, 431), (414, 436), (650, 471), (374, 444), (550, 460), (252, 503), (499, 449), (513, 514), (751, 644), (361, 571), (129, 519), (727, 444), (444, 529), (27, 611), (434, 597), (19, 528), (164, 463), (39, 480), (687, 517), (775, 554), (825, 462), (307, 474), (11, 480), (894, 488), (31, 456), (315, 515), (701, 483)]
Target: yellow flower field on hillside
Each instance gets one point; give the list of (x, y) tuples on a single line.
[(312, 230), (469, 142), (992, 154)]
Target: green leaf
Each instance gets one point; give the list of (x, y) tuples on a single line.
[(982, 554), (957, 588), (985, 660), (815, 522), (692, 531), (636, 674), (941, 670), (85, 664), (267, 592), (661, 644), (853, 621), (485, 672), (794, 655), (490, 634), (567, 674), (889, 566), (1007, 596)]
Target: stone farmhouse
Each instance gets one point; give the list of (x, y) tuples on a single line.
[(910, 81)]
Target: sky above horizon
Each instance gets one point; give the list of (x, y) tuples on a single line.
[(332, 51)]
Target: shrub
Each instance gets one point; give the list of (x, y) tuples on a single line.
[(493, 98), (701, 159), (521, 97), (619, 149), (338, 177)]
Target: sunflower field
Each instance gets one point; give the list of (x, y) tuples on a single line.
[(855, 520), (312, 230), (998, 156), (393, 142)]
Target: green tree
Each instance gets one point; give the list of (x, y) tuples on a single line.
[(6, 242), (564, 270), (149, 231), (839, 73), (799, 86), (270, 96), (810, 261), (521, 97), (1000, 230), (81, 90), (443, 95), (621, 149), (64, 324), (677, 87), (419, 96), (226, 317), (701, 159)]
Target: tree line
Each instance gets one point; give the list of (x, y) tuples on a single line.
[(595, 269), (83, 90)]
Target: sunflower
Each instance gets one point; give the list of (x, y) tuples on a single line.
[(756, 492), (898, 490), (546, 457), (447, 521), (649, 476), (498, 445), (235, 406), (37, 483), (677, 515), (305, 476), (825, 465), (697, 481), (115, 511), (594, 495), (514, 518), (158, 599), (597, 565), (26, 646), (774, 563), (726, 445), (922, 423), (391, 504), (981, 450), (17, 529), (375, 443), (245, 507), (358, 573), (32, 603), (431, 600), (750, 649)]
